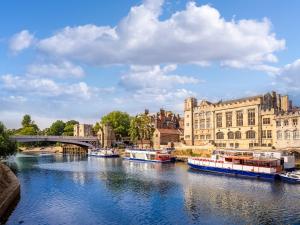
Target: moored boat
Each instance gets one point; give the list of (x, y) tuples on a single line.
[(103, 152), (249, 166), (147, 155), (290, 177)]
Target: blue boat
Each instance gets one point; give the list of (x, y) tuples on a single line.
[(290, 177)]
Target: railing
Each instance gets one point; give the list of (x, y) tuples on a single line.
[(53, 137)]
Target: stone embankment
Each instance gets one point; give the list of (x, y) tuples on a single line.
[(9, 190)]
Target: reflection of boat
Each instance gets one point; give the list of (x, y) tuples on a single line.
[(147, 155), (103, 152), (290, 177), (249, 166)]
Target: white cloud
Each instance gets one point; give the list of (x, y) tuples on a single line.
[(142, 77), (62, 69), (49, 88), (21, 41), (197, 34), (288, 77)]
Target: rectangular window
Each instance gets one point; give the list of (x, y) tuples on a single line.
[(266, 121), (201, 114), (296, 134), (187, 124), (219, 119), (229, 119), (231, 145), (237, 145), (202, 124), (196, 136), (278, 123), (279, 135), (239, 118), (202, 137), (208, 114), (196, 124), (208, 137), (295, 122), (207, 123), (187, 136), (269, 134), (264, 134), (286, 122), (251, 117)]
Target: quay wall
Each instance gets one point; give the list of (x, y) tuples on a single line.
[(9, 190)]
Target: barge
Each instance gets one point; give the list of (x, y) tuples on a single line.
[(103, 152), (148, 155)]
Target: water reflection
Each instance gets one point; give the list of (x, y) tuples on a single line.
[(72, 189)]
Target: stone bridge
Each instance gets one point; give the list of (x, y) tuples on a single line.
[(80, 141)]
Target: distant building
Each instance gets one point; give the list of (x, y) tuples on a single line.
[(83, 130), (240, 123), (106, 136), (165, 119), (165, 137)]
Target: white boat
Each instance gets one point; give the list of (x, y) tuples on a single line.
[(147, 155), (103, 152), (290, 177)]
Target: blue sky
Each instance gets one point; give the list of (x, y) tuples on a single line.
[(80, 60)]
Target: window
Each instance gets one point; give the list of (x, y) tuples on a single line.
[(187, 136), (237, 145), (231, 145), (219, 119), (264, 134), (278, 123), (230, 135), (207, 123), (287, 135), (295, 122), (269, 134), (196, 136), (208, 114), (202, 137), (279, 135), (196, 124), (238, 135), (266, 121), (187, 116), (251, 117), (286, 122), (296, 134), (220, 135), (239, 118), (229, 119), (201, 114), (208, 137), (202, 124), (250, 134), (187, 124)]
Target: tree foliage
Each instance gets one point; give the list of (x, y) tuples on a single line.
[(7, 147), (96, 127), (57, 128), (141, 128), (120, 122), (28, 126), (69, 128)]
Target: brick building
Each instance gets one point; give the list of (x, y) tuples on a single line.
[(165, 137)]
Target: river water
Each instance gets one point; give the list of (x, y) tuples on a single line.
[(57, 189)]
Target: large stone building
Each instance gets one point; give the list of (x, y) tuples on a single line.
[(83, 130), (241, 123), (165, 119)]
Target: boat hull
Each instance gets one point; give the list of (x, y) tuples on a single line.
[(146, 160), (235, 172), (289, 180)]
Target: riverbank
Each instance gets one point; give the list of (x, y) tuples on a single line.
[(9, 191), (50, 149)]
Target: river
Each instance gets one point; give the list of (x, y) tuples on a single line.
[(66, 189)]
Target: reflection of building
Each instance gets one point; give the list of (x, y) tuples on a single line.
[(288, 130), (165, 136), (83, 130), (241, 123)]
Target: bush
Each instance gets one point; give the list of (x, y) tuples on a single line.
[(7, 147)]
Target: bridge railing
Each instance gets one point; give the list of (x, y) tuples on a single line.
[(54, 137)]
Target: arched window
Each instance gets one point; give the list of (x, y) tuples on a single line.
[(296, 134), (238, 135), (250, 134), (279, 135), (220, 135), (230, 135), (287, 135)]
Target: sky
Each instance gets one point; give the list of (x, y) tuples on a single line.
[(82, 59)]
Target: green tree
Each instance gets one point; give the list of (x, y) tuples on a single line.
[(69, 128), (141, 128), (7, 147), (31, 130), (120, 122), (57, 128), (28, 127), (96, 127), (26, 122)]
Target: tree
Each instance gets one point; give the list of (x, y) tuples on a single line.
[(32, 130), (141, 128), (7, 147), (26, 122), (57, 128), (96, 127), (120, 122), (69, 128)]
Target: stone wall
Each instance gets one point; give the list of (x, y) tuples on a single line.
[(9, 190)]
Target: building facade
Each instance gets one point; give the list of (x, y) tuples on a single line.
[(165, 137), (241, 123), (83, 130)]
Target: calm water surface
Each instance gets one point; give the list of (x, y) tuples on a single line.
[(69, 189)]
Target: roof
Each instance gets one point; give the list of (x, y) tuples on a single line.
[(168, 131), (239, 100)]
